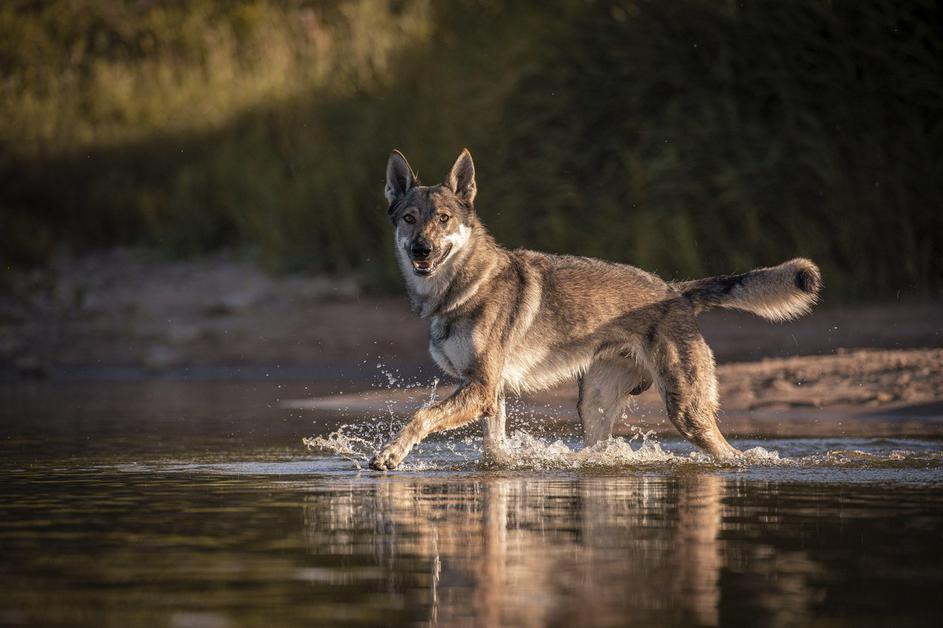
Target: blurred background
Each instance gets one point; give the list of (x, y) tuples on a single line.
[(236, 150), (204, 335)]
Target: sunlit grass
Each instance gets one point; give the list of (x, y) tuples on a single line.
[(93, 74)]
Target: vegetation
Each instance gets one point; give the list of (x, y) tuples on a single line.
[(688, 137)]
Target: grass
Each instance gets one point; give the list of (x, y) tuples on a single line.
[(688, 137)]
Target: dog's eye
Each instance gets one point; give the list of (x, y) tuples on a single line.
[(409, 219), (444, 217)]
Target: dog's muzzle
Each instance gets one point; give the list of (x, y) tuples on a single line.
[(425, 261)]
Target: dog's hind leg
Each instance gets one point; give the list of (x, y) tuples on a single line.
[(683, 366), (605, 388)]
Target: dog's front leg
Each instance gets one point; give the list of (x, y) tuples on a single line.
[(467, 403), (494, 425), (494, 433)]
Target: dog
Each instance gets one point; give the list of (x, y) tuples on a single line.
[(504, 321)]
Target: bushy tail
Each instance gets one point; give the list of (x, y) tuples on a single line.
[(778, 293)]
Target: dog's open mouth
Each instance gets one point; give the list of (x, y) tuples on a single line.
[(425, 267)]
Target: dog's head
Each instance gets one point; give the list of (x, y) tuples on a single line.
[(432, 222)]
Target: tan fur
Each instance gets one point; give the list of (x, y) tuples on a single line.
[(772, 293), (513, 321)]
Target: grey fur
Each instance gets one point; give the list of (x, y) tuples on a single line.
[(513, 321)]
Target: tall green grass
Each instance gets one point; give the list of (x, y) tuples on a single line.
[(689, 137)]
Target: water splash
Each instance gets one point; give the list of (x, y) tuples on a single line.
[(356, 443), (524, 451), (520, 450)]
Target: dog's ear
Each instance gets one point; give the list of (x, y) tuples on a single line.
[(399, 177), (461, 179)]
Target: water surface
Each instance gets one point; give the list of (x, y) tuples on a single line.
[(196, 504)]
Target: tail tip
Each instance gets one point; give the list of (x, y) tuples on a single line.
[(808, 278)]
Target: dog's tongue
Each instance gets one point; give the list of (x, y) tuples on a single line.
[(423, 265)]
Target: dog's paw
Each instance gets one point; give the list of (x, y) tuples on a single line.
[(389, 457), (494, 453)]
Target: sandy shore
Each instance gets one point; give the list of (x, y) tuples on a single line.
[(128, 310)]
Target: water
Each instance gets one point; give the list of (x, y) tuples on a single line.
[(197, 504)]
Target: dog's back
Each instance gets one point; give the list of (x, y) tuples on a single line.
[(562, 311)]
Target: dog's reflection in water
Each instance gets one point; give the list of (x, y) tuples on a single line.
[(586, 551)]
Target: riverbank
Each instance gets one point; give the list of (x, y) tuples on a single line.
[(130, 315)]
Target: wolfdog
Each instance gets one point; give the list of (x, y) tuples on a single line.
[(505, 321)]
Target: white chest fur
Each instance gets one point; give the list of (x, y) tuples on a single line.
[(451, 346)]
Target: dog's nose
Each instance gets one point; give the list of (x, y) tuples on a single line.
[(421, 250)]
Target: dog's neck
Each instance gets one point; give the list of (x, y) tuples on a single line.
[(456, 283)]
